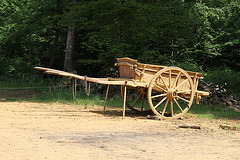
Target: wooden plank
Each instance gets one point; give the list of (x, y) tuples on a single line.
[(106, 81), (49, 69), (120, 79), (230, 127), (104, 108), (190, 126), (126, 59), (124, 100), (202, 93)]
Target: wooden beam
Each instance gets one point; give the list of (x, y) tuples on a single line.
[(104, 108), (190, 126), (124, 99), (224, 126)]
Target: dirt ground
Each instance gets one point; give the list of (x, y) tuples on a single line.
[(34, 131)]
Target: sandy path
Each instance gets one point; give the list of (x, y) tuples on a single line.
[(37, 131)]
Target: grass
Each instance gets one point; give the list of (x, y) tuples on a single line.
[(64, 95), (18, 84), (205, 110)]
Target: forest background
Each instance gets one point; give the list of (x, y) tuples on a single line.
[(196, 35)]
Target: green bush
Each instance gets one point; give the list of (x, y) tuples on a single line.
[(189, 65)]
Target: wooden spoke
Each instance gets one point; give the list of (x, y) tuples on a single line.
[(136, 100), (171, 105), (178, 77), (183, 99), (164, 109), (133, 94), (160, 95), (170, 79), (160, 102), (156, 85), (164, 82), (145, 94), (177, 104), (181, 84)]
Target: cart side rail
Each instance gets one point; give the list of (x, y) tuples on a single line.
[(128, 67)]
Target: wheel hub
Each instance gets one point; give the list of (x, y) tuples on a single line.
[(171, 94)]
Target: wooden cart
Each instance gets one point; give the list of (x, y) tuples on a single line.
[(169, 91)]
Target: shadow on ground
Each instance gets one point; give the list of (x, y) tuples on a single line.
[(128, 113)]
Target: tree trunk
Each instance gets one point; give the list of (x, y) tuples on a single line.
[(68, 62), (55, 46)]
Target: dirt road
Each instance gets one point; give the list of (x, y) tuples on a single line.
[(37, 131)]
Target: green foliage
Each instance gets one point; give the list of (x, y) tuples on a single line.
[(27, 33), (160, 32), (189, 65), (219, 31)]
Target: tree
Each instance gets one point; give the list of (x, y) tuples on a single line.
[(219, 31), (157, 32), (30, 31), (68, 62), (187, 34)]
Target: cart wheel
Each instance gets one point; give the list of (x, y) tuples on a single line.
[(136, 99), (170, 93)]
